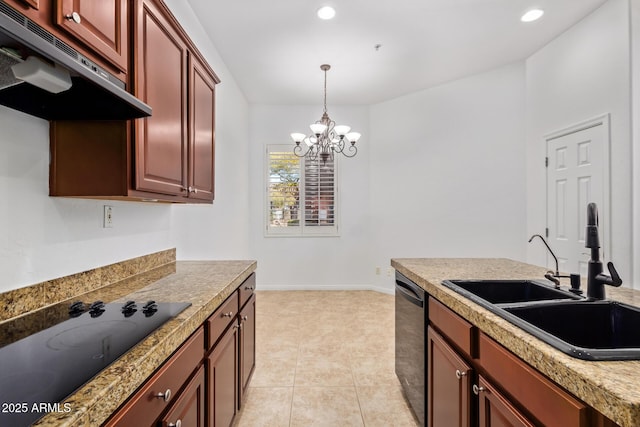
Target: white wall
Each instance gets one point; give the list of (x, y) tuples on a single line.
[(447, 171), (439, 173), (580, 75), (312, 262), (221, 230), (44, 237)]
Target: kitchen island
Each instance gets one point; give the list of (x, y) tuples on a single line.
[(611, 387), (203, 284)]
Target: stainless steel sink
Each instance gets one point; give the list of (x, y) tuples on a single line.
[(580, 327), (590, 330), (508, 291)]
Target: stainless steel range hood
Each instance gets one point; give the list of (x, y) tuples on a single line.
[(95, 94)]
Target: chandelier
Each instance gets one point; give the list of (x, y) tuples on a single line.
[(326, 138)]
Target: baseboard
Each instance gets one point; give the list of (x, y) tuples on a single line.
[(382, 290)]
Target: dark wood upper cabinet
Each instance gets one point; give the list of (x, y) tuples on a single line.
[(161, 82), (167, 157), (201, 131), (101, 25)]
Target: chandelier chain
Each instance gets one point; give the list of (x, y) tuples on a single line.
[(325, 91)]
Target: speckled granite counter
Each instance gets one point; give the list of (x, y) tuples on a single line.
[(205, 284), (612, 388)]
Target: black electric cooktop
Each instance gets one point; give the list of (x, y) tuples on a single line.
[(40, 370)]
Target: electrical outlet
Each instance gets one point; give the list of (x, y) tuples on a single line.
[(107, 221), (389, 271), (377, 271)]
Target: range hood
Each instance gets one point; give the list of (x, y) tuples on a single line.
[(95, 94)]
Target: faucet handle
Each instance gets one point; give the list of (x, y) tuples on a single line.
[(615, 277), (613, 280)]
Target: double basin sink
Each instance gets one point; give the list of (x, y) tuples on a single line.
[(580, 327)]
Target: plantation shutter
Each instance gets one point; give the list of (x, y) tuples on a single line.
[(319, 192)]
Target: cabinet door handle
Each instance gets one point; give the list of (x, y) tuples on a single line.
[(176, 424), (74, 16), (244, 318), (477, 390), (164, 396), (460, 374)]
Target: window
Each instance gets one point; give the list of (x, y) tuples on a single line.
[(301, 194)]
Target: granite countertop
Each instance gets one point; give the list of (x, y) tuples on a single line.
[(610, 387), (205, 284)]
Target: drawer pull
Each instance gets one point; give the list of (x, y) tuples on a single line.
[(248, 288), (460, 374), (244, 318), (164, 396), (176, 424), (477, 390), (229, 314)]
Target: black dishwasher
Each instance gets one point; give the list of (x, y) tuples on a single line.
[(411, 318)]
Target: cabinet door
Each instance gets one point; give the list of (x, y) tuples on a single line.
[(188, 410), (449, 385), (223, 379), (101, 25), (247, 344), (201, 131), (495, 410), (161, 82)]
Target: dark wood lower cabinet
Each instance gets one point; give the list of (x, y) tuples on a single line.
[(472, 380), (449, 385), (189, 409), (247, 345), (495, 410), (222, 366), (203, 383)]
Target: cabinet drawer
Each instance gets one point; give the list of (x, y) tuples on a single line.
[(145, 407), (460, 332), (550, 405), (246, 289), (221, 318)]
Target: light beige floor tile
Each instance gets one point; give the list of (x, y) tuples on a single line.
[(337, 350), (279, 347), (385, 406), (266, 407), (325, 371), (274, 372), (325, 406), (373, 371)]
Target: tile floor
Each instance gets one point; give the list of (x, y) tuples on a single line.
[(324, 358)]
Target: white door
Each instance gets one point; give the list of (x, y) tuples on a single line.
[(577, 170)]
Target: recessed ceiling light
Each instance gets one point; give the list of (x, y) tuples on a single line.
[(532, 15), (326, 12)]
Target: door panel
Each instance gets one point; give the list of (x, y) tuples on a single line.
[(575, 177), (201, 171), (495, 410), (449, 385), (162, 83)]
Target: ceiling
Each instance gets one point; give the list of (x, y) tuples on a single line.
[(274, 48)]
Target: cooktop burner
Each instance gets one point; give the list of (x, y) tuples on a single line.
[(39, 371)]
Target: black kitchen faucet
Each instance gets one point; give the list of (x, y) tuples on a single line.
[(595, 278)]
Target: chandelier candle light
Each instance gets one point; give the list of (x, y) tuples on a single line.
[(326, 138)]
